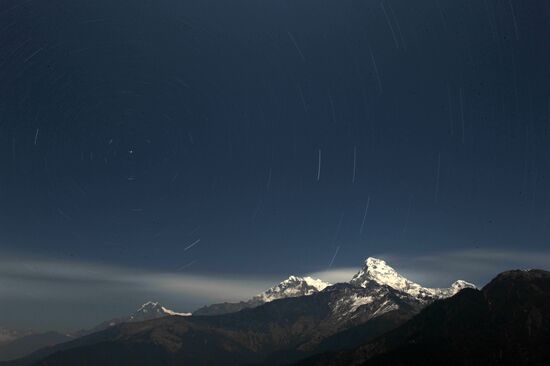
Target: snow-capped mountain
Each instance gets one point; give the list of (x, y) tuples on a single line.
[(293, 286), (379, 289), (374, 272), (378, 271), (152, 310)]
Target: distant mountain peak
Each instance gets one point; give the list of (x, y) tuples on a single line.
[(291, 287), (378, 271), (316, 283), (460, 284), (148, 306), (152, 310)]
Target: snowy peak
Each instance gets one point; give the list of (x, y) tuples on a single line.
[(378, 271), (459, 285), (293, 286), (152, 310), (150, 307)]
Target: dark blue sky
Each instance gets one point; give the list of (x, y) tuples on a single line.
[(131, 129)]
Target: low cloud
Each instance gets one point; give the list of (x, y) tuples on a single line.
[(336, 275), (61, 293), (62, 274)]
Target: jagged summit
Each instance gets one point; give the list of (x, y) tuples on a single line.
[(152, 310), (378, 271), (291, 287)]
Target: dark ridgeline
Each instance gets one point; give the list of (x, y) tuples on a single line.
[(505, 323), (225, 308)]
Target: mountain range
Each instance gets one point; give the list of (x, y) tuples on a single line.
[(18, 343), (298, 318), (505, 323), (374, 270), (378, 318)]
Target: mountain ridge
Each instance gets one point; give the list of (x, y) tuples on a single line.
[(296, 318), (293, 286), (374, 269)]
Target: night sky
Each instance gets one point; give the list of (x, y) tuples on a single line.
[(262, 138)]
